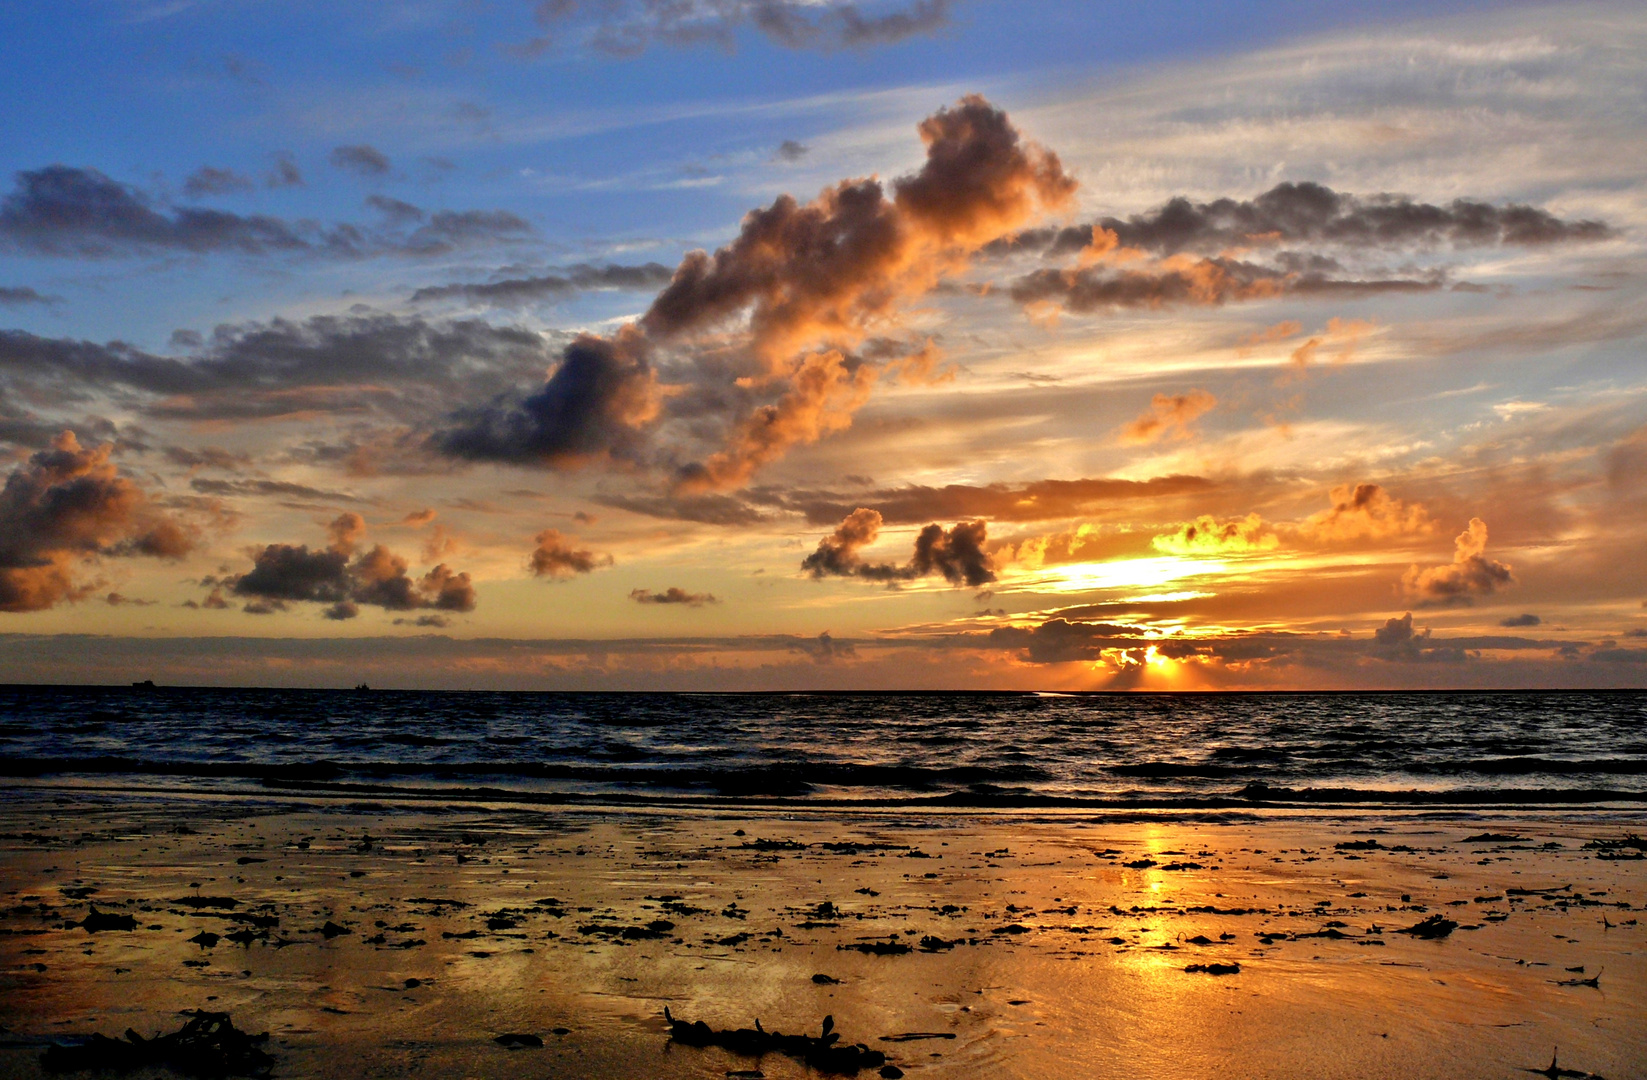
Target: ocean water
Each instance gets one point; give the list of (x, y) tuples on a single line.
[(1003, 749)]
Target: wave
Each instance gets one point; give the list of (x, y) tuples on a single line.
[(784, 786)]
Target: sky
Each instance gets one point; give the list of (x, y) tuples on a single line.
[(805, 344)]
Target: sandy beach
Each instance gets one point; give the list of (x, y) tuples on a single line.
[(403, 939)]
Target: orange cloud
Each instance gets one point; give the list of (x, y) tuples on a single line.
[(1470, 573), (1340, 339), (1365, 512), (1279, 332), (66, 506), (823, 395), (1208, 536), (1168, 415), (767, 321), (555, 557)]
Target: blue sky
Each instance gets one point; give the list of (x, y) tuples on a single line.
[(218, 217)]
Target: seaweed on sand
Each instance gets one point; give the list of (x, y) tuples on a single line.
[(823, 1052), (208, 1045)]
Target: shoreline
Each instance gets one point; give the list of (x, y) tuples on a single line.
[(1371, 801)]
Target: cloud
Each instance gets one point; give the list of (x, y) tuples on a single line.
[(208, 180), (69, 212), (958, 554), (627, 28), (708, 509), (68, 506), (1341, 338), (61, 210), (428, 621), (331, 363), (267, 489), (1524, 619), (1365, 512), (825, 649), (206, 457), (284, 173), (19, 295), (1292, 213), (517, 292), (1397, 631), (1040, 500), (1470, 573), (791, 151), (343, 577), (1207, 535), (1169, 415), (361, 160), (115, 599), (761, 330), (1187, 253), (1188, 280), (555, 557), (825, 391), (672, 595), (594, 406)]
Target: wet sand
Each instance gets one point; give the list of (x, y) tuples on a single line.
[(1025, 944)]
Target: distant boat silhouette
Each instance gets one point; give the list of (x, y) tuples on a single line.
[(146, 684), (362, 686)]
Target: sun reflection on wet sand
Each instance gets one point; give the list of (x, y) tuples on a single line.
[(1048, 945)]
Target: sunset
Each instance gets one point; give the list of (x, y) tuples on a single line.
[(1211, 432)]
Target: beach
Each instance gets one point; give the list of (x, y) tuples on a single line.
[(402, 937)]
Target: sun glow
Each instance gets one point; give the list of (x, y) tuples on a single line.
[(1148, 573)]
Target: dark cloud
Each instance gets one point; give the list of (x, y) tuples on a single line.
[(1182, 279), (24, 295), (67, 506), (64, 211), (1122, 647), (1470, 574), (284, 173), (343, 577), (592, 407), (1397, 631), (791, 151), (1524, 619), (1312, 214), (672, 595), (206, 457), (515, 292), (115, 599), (1195, 253), (797, 288), (280, 489), (326, 363), (1041, 500), (824, 649), (958, 554), (60, 210), (555, 557), (627, 28), (920, 17), (361, 159), (426, 621), (208, 180)]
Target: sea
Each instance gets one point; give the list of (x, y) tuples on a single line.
[(842, 749)]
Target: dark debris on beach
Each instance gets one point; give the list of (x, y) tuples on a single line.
[(824, 1052), (207, 1045)]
